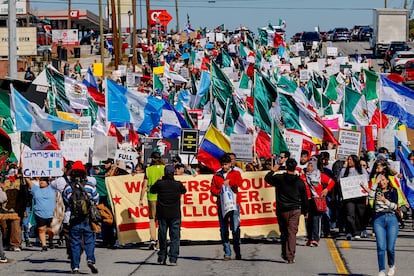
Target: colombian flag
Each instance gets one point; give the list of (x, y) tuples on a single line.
[(214, 145)]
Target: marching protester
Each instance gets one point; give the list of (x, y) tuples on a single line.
[(168, 214), (3, 259), (79, 194), (226, 181), (153, 172), (318, 186), (354, 208), (44, 203), (385, 221), (292, 201)]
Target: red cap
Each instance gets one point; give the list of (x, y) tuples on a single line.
[(78, 165)]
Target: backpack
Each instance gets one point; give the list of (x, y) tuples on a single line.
[(79, 202)]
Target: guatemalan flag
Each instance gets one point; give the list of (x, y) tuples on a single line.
[(29, 116), (398, 101), (123, 106), (172, 122)]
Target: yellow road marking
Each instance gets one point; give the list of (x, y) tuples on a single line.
[(336, 257), (345, 245)]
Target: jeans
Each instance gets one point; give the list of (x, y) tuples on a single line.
[(386, 232), (232, 218), (78, 231), (313, 223), (1, 245), (25, 224), (173, 226)]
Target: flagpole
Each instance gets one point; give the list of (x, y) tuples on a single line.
[(225, 114)]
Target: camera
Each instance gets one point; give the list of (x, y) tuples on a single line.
[(378, 192)]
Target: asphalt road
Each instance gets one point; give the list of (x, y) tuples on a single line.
[(334, 256)]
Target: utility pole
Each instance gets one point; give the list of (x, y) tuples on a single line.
[(69, 19), (12, 40), (134, 34), (148, 23), (176, 17), (115, 44), (120, 40), (385, 3), (101, 31)]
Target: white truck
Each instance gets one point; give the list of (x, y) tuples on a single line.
[(389, 25)]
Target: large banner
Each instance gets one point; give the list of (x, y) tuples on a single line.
[(199, 209)]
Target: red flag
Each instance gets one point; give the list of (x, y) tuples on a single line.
[(379, 119), (98, 97), (263, 144), (369, 138), (114, 132), (278, 40)]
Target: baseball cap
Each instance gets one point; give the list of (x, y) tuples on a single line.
[(176, 158), (107, 161), (78, 165), (169, 170)]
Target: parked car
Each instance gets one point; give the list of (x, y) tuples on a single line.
[(355, 31), (399, 59), (408, 73), (341, 34), (394, 47), (308, 39), (329, 35), (365, 33)]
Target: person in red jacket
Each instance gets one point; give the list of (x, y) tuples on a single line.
[(318, 184), (223, 178)]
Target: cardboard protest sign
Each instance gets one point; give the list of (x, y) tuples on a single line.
[(42, 163)]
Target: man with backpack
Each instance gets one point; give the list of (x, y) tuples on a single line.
[(79, 195)]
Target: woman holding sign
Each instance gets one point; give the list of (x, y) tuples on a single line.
[(354, 208), (385, 221)]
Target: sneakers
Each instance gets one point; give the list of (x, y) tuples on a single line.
[(291, 261), (238, 257), (44, 248), (28, 243), (349, 236), (75, 271), (92, 267), (15, 249), (308, 243), (364, 234), (153, 245), (226, 258), (391, 271), (357, 237), (161, 261), (172, 263), (3, 259), (314, 244)]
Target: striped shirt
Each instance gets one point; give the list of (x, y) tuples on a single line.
[(390, 206), (89, 188)]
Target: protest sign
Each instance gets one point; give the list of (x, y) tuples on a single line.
[(241, 145), (349, 143), (42, 163), (351, 186)]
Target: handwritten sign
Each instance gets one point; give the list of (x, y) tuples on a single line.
[(351, 186), (42, 163), (350, 143), (240, 145)]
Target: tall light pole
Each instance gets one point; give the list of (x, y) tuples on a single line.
[(129, 26), (140, 14), (176, 17), (12, 40)]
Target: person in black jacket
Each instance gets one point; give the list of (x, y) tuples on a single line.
[(291, 202), (168, 214)]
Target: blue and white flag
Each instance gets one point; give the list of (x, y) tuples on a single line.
[(90, 80), (172, 122), (123, 106), (205, 82), (398, 101), (406, 169), (30, 117)]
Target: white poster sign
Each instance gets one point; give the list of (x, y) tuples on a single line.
[(77, 149), (20, 7), (332, 51), (294, 143), (85, 125), (42, 163), (127, 157), (241, 145), (349, 143), (303, 75), (351, 186), (386, 138)]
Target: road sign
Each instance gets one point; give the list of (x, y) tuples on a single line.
[(160, 17)]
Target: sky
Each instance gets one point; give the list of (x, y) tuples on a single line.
[(299, 15)]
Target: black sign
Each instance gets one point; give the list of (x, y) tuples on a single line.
[(167, 147), (189, 141)]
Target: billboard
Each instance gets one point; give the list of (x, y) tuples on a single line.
[(26, 41), (20, 7)]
